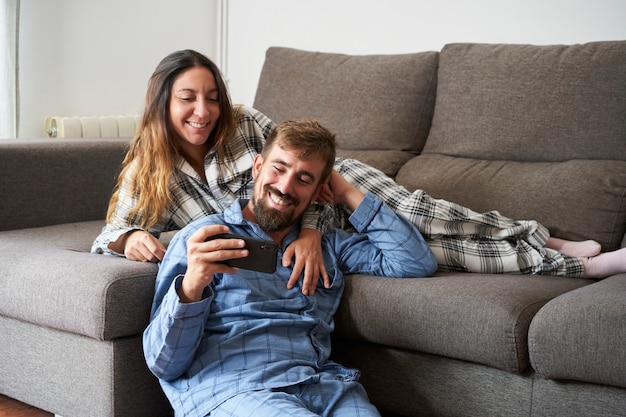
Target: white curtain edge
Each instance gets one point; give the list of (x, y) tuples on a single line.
[(9, 78)]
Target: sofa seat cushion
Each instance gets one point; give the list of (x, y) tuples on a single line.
[(48, 277), (581, 335), (575, 199), (369, 101), (478, 318)]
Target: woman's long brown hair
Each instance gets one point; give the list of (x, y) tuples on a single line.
[(149, 162)]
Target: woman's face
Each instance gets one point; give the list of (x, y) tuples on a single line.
[(194, 106)]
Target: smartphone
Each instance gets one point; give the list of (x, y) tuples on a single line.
[(261, 257)]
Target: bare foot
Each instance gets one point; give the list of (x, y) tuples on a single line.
[(585, 248)]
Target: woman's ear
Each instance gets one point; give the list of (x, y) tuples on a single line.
[(256, 167)]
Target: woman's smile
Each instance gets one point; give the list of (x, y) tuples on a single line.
[(198, 125)]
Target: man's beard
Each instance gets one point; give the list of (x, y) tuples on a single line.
[(272, 220)]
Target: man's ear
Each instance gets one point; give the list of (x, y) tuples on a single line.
[(256, 167), (318, 192)]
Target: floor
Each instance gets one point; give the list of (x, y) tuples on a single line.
[(12, 408)]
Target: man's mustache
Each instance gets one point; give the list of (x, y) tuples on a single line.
[(287, 197)]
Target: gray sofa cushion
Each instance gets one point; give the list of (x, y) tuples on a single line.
[(531, 103), (543, 109), (52, 177), (558, 398), (75, 375), (370, 102), (48, 277), (581, 335), (388, 162), (593, 206), (473, 317)]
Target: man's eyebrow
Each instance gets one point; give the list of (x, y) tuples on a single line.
[(303, 172)]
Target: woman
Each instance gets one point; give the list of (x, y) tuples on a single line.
[(192, 156)]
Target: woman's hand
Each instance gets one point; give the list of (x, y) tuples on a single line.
[(139, 245), (307, 250)]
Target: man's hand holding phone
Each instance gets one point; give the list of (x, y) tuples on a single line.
[(206, 258), (212, 250), (261, 253)]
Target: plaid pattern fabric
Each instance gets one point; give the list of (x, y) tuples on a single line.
[(461, 239), (228, 179)]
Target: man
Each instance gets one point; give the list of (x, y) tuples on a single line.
[(233, 342)]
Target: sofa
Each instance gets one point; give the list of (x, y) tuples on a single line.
[(535, 132)]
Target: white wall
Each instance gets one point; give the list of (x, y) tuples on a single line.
[(398, 26), (84, 57)]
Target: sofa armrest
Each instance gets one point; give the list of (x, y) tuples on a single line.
[(581, 335), (49, 278)]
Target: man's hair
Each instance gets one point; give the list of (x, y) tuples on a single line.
[(309, 138)]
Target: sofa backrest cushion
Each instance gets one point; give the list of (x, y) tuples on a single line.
[(535, 132), (531, 103), (575, 200), (371, 102), (58, 180)]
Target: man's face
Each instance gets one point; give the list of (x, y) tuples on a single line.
[(285, 186)]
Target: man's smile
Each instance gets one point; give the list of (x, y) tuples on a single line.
[(277, 200), (280, 200)]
